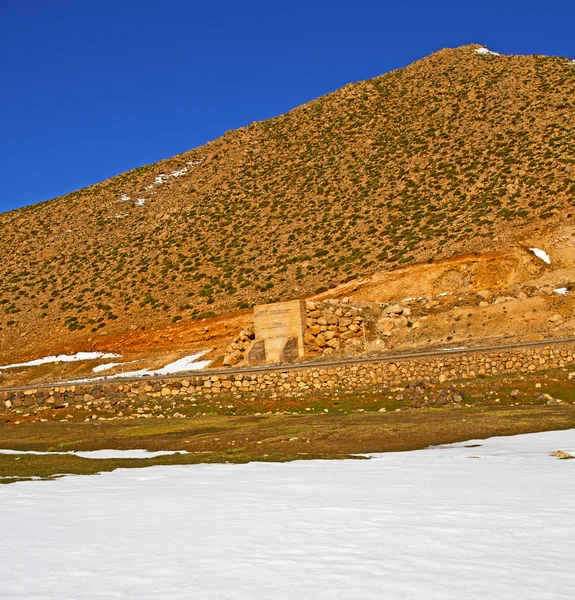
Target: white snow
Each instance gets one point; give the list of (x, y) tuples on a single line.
[(101, 454), (571, 62), (140, 201), (486, 51), (121, 216), (195, 163), (492, 522), (163, 177), (541, 254), (561, 290), (125, 198), (188, 363), (62, 358), (105, 367)]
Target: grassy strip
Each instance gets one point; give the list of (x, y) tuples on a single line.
[(237, 439)]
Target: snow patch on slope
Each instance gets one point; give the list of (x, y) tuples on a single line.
[(163, 177), (61, 358), (188, 363), (105, 367), (486, 51), (541, 254)]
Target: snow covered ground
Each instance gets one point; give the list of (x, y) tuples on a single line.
[(496, 521)]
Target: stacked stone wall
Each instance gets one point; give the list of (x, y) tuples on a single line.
[(301, 380), (332, 325)]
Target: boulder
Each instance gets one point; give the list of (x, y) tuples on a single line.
[(308, 338), (394, 309), (347, 335), (233, 359)]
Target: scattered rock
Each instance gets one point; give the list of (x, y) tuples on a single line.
[(394, 309), (561, 454)]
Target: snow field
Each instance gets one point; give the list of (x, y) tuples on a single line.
[(457, 522)]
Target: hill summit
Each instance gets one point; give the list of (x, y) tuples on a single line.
[(463, 151)]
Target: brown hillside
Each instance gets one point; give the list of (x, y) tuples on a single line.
[(460, 152)]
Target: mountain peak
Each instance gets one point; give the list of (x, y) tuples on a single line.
[(455, 153)]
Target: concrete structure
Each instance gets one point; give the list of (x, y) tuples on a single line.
[(279, 332)]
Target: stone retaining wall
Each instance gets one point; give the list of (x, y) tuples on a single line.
[(300, 381)]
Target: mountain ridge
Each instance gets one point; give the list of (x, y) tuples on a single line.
[(459, 152)]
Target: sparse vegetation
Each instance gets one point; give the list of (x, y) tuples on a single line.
[(418, 164)]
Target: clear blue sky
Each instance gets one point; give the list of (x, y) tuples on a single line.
[(90, 89)]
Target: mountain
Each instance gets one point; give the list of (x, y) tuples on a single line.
[(463, 151)]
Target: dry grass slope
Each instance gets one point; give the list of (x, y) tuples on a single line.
[(456, 153)]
